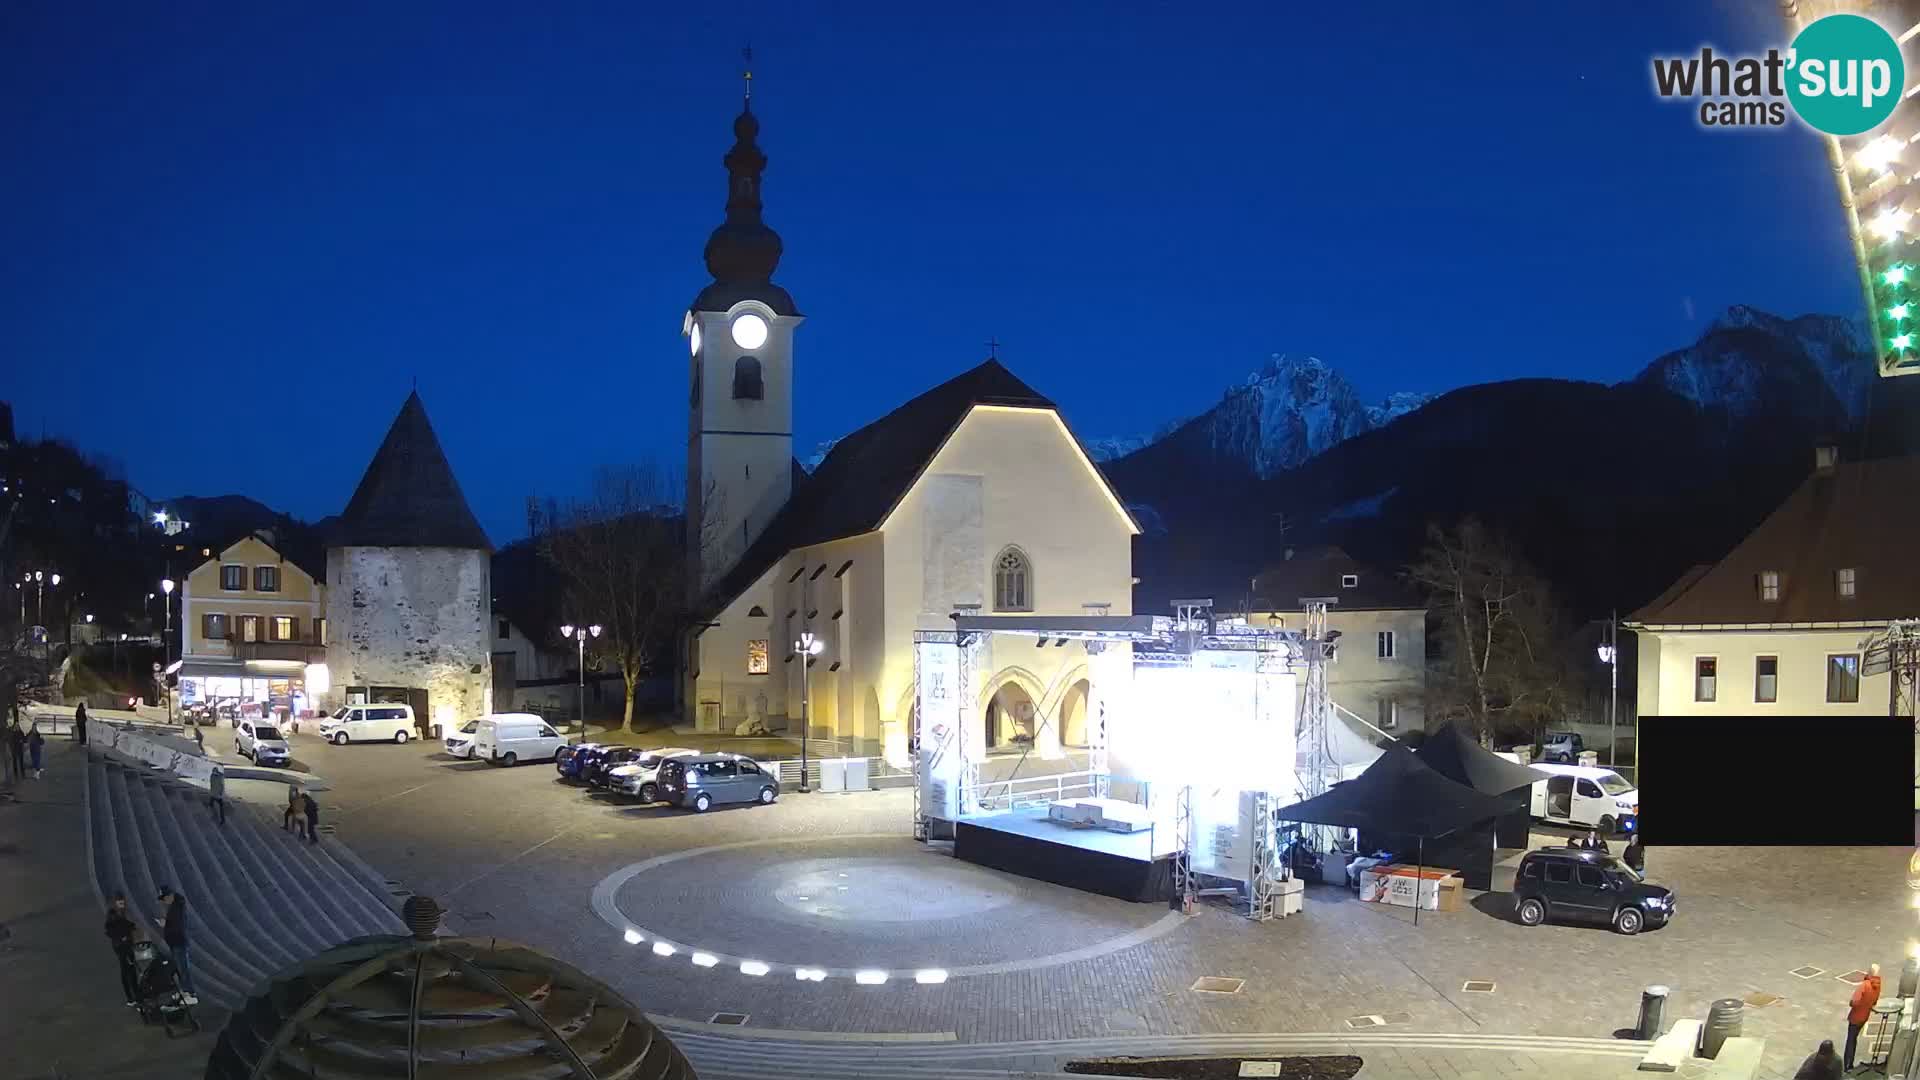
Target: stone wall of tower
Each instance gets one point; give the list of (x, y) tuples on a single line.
[(412, 617)]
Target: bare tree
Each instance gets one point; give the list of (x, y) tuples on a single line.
[(623, 553), (1502, 667)]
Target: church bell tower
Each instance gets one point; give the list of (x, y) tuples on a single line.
[(740, 334)]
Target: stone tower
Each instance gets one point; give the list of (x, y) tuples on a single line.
[(740, 333), (408, 585)]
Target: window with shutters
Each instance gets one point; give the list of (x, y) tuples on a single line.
[(233, 578), (249, 628), (746, 379), (1012, 581), (213, 627), (266, 579), (282, 629)]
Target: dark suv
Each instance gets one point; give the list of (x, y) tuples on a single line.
[(1566, 885)]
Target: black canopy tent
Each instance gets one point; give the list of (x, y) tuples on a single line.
[(1400, 795), (1459, 757)]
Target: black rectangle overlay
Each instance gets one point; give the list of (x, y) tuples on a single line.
[(1791, 781)]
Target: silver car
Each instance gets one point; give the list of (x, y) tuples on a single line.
[(640, 777)]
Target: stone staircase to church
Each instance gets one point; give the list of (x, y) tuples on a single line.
[(258, 899)]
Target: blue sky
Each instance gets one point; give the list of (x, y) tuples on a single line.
[(237, 233)]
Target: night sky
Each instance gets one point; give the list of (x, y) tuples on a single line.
[(235, 234)]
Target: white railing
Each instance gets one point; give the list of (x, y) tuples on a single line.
[(1023, 791)]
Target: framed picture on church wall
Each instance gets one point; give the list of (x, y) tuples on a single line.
[(757, 656)]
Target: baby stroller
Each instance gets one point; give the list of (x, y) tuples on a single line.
[(161, 1001)]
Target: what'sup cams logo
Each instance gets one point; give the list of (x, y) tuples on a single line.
[(1842, 75)]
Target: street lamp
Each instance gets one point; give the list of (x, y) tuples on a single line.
[(166, 642), (808, 647), (580, 634), (1610, 655)]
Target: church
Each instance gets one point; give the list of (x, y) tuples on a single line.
[(808, 588)]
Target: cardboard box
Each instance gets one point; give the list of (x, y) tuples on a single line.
[(1438, 888)]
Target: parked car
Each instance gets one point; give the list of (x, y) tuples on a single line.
[(510, 738), (640, 777), (706, 780), (1561, 747), (262, 742), (1587, 886), (460, 743), (570, 760), (368, 723), (1586, 797), (609, 759)]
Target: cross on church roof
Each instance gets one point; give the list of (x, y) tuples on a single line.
[(746, 76), (993, 348)]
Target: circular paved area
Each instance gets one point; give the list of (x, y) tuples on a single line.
[(845, 905)]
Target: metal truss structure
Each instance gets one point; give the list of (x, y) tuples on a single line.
[(1895, 652), (1313, 740)]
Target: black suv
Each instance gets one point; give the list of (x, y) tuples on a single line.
[(1567, 885)]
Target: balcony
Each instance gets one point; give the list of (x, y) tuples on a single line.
[(303, 652)]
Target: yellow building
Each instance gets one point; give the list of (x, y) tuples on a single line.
[(253, 629)]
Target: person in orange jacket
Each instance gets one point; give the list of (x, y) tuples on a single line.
[(1865, 997)]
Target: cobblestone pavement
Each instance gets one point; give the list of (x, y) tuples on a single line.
[(514, 852)]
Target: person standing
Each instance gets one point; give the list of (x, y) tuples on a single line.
[(17, 749), (120, 932), (313, 816), (1636, 855), (174, 933), (1860, 1007), (292, 815), (80, 723), (217, 790), (36, 742)]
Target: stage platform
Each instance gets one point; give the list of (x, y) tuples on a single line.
[(1128, 866)]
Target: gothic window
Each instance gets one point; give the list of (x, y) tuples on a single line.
[(1012, 581), (746, 379)]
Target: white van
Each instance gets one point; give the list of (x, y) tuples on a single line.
[(368, 723), (510, 738), (1586, 797)]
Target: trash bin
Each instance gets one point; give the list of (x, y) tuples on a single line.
[(1723, 1023), (1910, 978), (1590, 758), (1653, 1009)]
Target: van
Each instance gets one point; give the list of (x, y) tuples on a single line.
[(1587, 798), (368, 723), (510, 738), (1587, 886)]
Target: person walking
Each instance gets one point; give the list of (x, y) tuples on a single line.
[(1822, 1064), (292, 815), (36, 742), (199, 739), (120, 934), (217, 792), (313, 816), (1860, 1008), (174, 933), (80, 723)]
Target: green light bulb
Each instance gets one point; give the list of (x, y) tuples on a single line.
[(1903, 341), (1895, 276), (1898, 311)]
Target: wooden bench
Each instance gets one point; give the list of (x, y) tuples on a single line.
[(1739, 1060), (1676, 1046)]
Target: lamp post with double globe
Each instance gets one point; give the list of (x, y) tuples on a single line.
[(1610, 655), (808, 647), (166, 644), (580, 634)]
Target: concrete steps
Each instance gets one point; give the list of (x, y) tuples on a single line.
[(258, 900)]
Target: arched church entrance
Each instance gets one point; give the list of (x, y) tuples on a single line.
[(1073, 714), (1010, 718)]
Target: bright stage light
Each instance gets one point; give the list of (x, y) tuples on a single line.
[(754, 968), (1879, 154), (1902, 341), (1899, 311), (810, 974), (1895, 276), (661, 948), (633, 937), (930, 976), (704, 959), (1890, 223), (870, 978)]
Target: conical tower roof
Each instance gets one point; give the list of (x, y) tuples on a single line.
[(408, 497)]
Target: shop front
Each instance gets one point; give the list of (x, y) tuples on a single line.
[(278, 688)]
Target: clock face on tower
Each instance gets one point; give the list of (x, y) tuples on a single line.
[(749, 331), (694, 335)]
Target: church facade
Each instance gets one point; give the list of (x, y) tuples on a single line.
[(973, 496)]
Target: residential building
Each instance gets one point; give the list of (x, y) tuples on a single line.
[(1379, 672), (974, 493), (1779, 625), (253, 626)]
